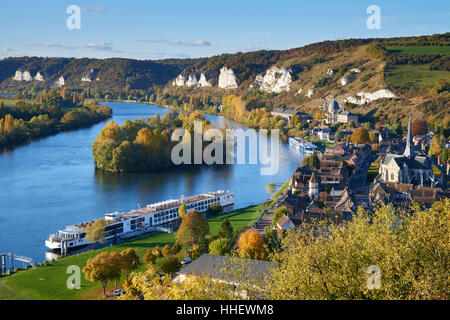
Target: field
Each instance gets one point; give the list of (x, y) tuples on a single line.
[(418, 75), (49, 282), (419, 49)]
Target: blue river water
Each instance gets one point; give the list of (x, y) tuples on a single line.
[(52, 182)]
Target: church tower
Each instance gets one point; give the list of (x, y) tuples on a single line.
[(409, 151), (313, 187)]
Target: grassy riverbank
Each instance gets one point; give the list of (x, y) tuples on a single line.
[(49, 282)]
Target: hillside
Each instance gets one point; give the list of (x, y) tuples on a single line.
[(413, 69)]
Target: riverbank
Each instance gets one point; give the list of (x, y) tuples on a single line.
[(48, 282)]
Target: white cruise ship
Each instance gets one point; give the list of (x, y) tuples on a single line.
[(140, 220)]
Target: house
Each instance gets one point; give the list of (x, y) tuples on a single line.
[(284, 224)]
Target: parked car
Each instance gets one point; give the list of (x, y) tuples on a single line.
[(186, 261), (119, 292)]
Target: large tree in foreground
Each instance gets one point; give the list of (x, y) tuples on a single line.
[(103, 268), (193, 228), (390, 254), (387, 254)]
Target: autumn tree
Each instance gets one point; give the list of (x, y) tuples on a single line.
[(311, 161), (319, 115), (149, 257), (95, 231), (170, 264), (251, 245), (193, 228), (130, 260), (182, 210), (435, 147), (360, 135), (103, 268), (412, 258), (157, 252), (166, 250), (418, 127)]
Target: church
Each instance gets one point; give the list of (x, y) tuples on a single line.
[(407, 168)]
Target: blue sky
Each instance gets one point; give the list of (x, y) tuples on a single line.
[(148, 29)]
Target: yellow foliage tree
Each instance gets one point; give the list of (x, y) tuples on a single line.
[(251, 245)]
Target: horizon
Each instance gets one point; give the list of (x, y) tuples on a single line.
[(179, 30), (206, 57)]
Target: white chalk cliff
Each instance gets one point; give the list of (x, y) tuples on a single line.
[(346, 80), (258, 81), (23, 76), (203, 82), (86, 78), (60, 82), (192, 81), (227, 79), (180, 81), (275, 80), (364, 97), (38, 77)]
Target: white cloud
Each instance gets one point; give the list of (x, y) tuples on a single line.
[(197, 43), (97, 46)]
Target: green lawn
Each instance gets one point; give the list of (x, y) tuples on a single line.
[(49, 282), (419, 49), (418, 75)]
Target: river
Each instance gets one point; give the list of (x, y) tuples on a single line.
[(52, 182)]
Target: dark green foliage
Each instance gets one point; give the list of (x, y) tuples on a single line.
[(170, 265), (214, 209), (311, 161), (226, 230)]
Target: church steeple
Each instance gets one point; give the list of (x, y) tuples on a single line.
[(409, 152)]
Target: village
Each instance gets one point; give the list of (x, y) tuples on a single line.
[(334, 182)]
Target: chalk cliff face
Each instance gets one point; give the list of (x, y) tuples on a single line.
[(22, 76), (27, 76), (346, 80), (60, 82), (364, 97), (38, 77), (18, 76), (192, 81), (227, 79), (180, 81), (275, 80), (258, 82), (203, 82)]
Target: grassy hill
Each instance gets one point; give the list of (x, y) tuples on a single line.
[(415, 69)]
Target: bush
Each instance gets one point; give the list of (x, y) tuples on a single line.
[(166, 250), (170, 265), (220, 247)]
